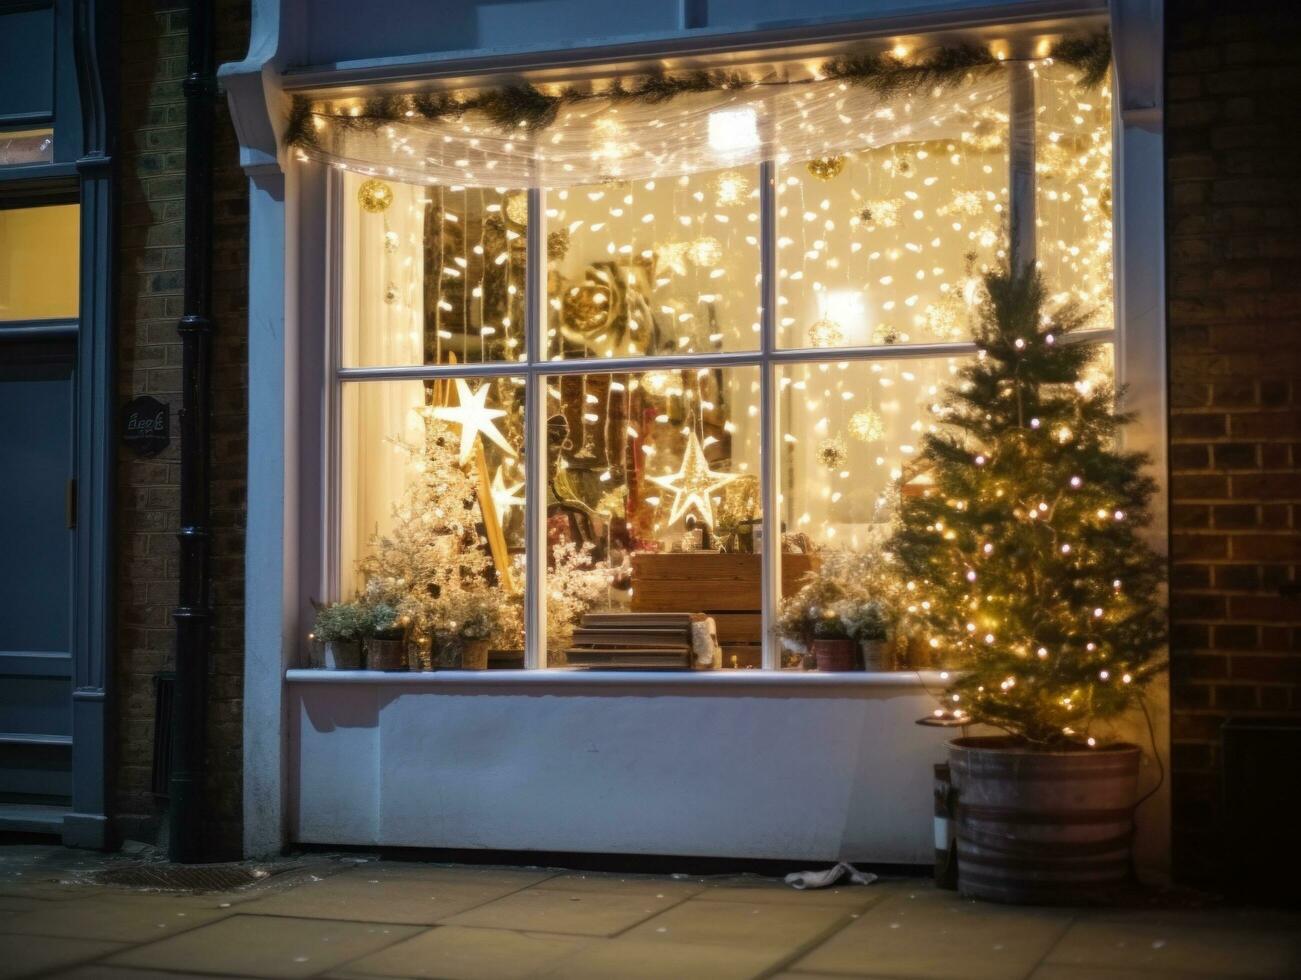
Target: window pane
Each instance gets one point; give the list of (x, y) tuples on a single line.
[(654, 508), (432, 507), (851, 433), (39, 249), (881, 246), (663, 266), (431, 275), (1073, 189), (28, 146)]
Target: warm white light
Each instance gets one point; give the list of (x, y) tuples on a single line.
[(733, 130)]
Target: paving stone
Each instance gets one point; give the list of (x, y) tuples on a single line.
[(22, 956), (1058, 971), (266, 946), (414, 895), (631, 959), (458, 953), (102, 971), (849, 897), (569, 911), (937, 936), (1198, 946), (624, 884), (127, 920), (741, 925)]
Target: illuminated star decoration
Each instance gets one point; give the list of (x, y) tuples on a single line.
[(693, 484), (503, 496), (473, 416)]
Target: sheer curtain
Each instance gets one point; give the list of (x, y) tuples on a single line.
[(383, 322)]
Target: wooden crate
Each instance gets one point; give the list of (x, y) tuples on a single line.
[(725, 586)]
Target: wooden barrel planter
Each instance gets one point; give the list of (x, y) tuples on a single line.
[(834, 654), (1043, 827)]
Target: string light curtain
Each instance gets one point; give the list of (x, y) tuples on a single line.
[(600, 139)]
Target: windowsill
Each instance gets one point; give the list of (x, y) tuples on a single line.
[(589, 678)]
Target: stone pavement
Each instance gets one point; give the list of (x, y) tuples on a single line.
[(347, 917)]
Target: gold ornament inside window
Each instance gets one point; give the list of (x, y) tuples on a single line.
[(375, 196), (827, 167), (865, 425), (706, 251), (826, 333)]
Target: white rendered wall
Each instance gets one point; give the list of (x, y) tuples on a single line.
[(807, 768)]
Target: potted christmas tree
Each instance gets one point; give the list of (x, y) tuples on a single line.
[(1025, 568)]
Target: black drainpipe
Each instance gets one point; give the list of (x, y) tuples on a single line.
[(194, 614)]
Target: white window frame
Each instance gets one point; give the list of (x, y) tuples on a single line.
[(536, 368)]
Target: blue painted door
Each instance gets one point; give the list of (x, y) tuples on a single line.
[(36, 540)]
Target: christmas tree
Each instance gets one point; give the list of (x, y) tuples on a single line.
[(434, 564), (1022, 561)]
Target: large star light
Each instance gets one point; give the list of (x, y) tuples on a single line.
[(503, 496), (472, 414), (694, 484)]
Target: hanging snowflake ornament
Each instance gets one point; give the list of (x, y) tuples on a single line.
[(558, 244), (866, 425), (390, 294), (832, 452), (826, 167), (659, 383), (879, 214), (946, 319), (391, 242), (706, 251), (826, 333), (730, 188), (674, 256), (375, 196)]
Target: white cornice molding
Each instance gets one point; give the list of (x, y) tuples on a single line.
[(1138, 53), (258, 103)]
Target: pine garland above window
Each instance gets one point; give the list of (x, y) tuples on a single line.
[(529, 109)]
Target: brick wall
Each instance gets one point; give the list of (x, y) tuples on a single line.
[(151, 260), (1234, 205)]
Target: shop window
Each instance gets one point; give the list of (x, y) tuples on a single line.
[(867, 232), (39, 250)]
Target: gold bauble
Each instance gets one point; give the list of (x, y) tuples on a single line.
[(826, 168), (826, 333), (832, 452), (730, 188), (516, 208), (866, 426), (375, 196), (586, 308), (706, 251)]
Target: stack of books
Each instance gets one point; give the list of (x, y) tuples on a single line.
[(632, 641)]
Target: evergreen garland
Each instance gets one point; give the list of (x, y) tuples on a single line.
[(525, 106), (1023, 560)]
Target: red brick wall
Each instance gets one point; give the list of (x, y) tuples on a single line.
[(1233, 85), (150, 263)]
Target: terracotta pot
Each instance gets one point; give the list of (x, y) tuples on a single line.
[(834, 654), (342, 655), (474, 655), (876, 656), (385, 654), (1043, 827)]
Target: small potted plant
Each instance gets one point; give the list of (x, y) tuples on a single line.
[(867, 625), (475, 633), (385, 642), (339, 629), (812, 620)]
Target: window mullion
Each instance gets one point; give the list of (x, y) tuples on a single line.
[(535, 447), (769, 440), (1021, 162)]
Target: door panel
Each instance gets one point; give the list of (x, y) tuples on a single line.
[(36, 539)]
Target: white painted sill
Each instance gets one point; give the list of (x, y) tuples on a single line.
[(716, 679)]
